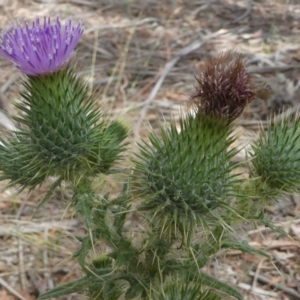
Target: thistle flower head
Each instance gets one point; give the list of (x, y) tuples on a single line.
[(40, 48), (185, 176), (224, 87)]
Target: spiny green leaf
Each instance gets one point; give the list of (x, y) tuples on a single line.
[(183, 291), (219, 286), (78, 285), (49, 192), (83, 200), (82, 253), (268, 223), (244, 247)]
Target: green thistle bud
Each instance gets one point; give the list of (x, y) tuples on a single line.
[(110, 147), (102, 262), (185, 174), (63, 127), (61, 133), (276, 160)]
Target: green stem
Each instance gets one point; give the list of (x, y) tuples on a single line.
[(83, 200)]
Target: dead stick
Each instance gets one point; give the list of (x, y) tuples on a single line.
[(260, 70), (10, 289), (245, 14), (279, 286)]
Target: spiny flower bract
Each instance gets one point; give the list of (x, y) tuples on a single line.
[(186, 174), (224, 87), (40, 48), (63, 128), (275, 159)]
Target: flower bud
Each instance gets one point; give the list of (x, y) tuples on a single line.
[(224, 87)]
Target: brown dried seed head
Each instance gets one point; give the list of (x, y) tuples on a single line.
[(224, 87)]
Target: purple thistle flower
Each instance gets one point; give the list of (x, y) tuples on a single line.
[(40, 49)]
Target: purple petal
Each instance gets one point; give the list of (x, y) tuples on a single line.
[(40, 49)]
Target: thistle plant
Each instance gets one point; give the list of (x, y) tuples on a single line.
[(183, 184)]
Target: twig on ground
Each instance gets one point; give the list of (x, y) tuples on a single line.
[(245, 14), (47, 274), (279, 244), (287, 113), (257, 291), (11, 290), (203, 6), (6, 122), (260, 70), (21, 264), (281, 224), (23, 205), (105, 80), (14, 230), (8, 83), (279, 286), (256, 275), (133, 24), (83, 2)]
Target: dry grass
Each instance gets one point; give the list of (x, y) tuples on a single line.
[(141, 57)]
